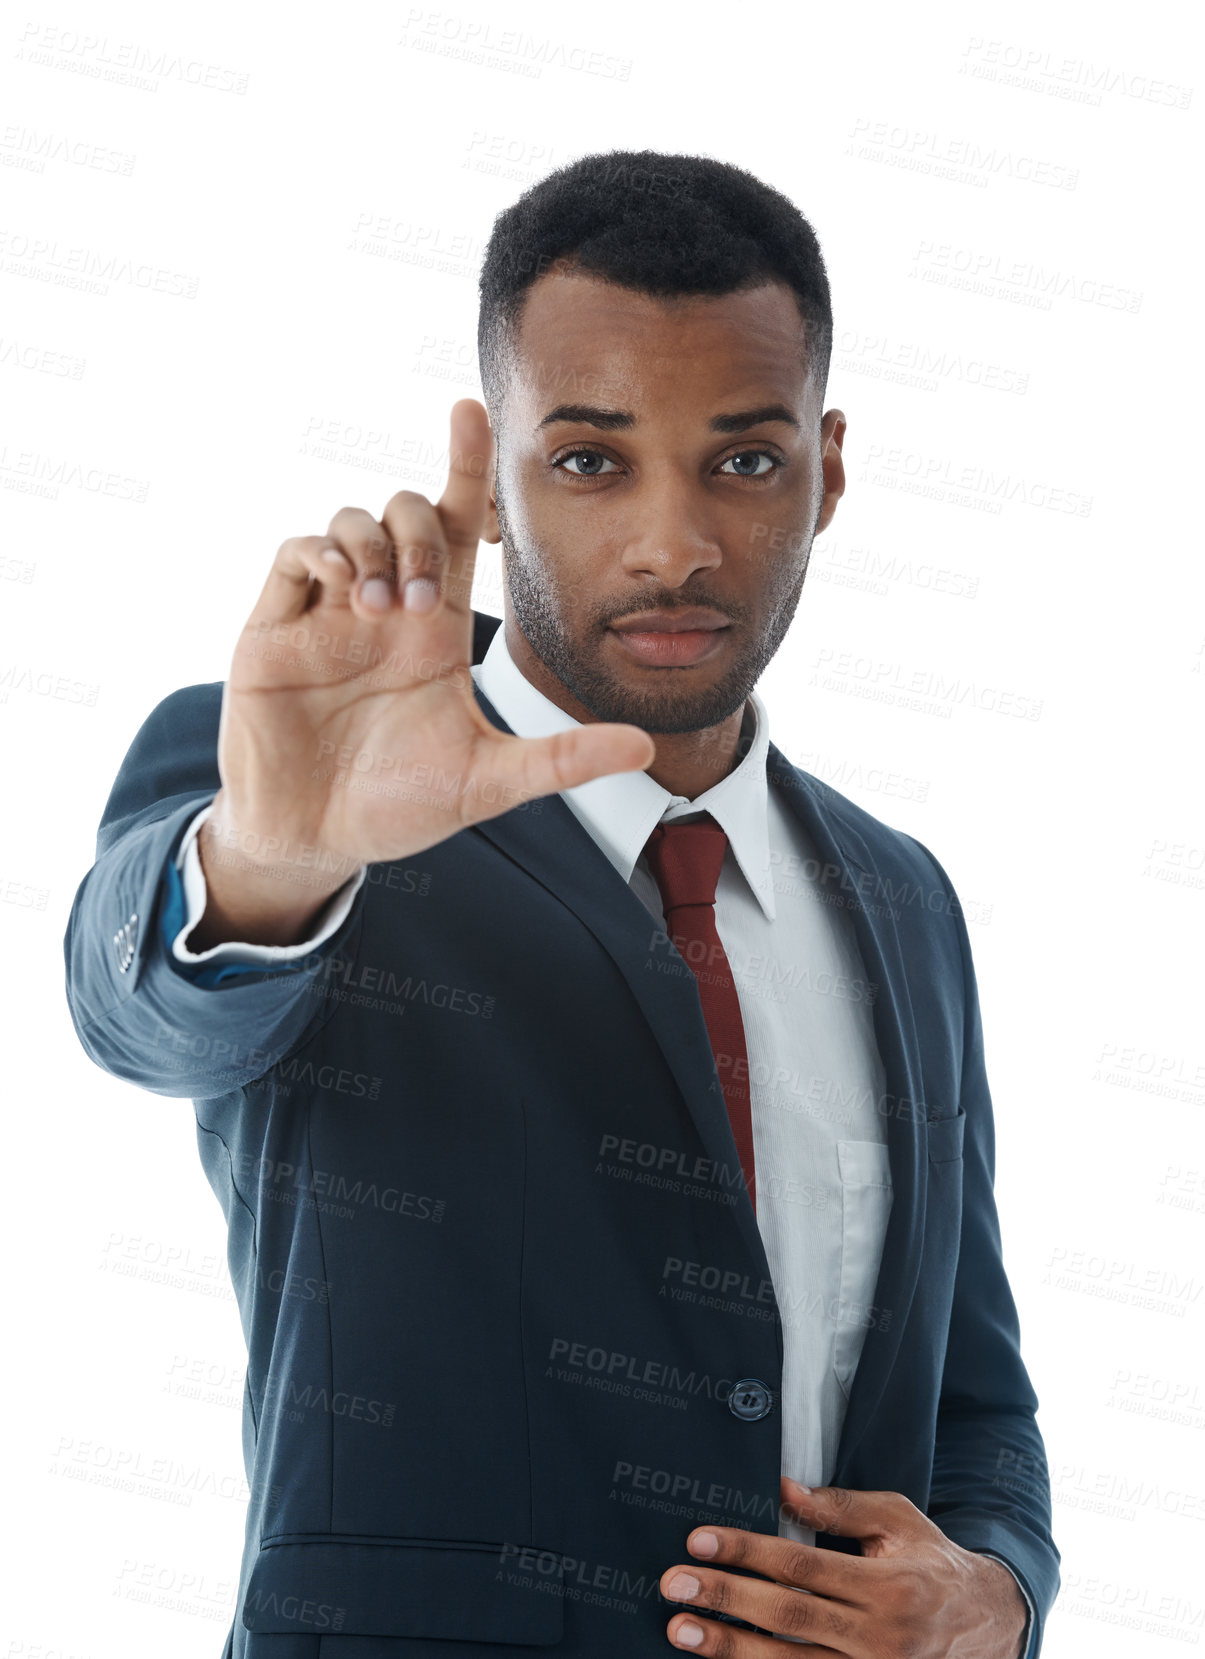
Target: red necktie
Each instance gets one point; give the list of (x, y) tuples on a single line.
[(685, 859)]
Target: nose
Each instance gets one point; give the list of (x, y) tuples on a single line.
[(672, 536)]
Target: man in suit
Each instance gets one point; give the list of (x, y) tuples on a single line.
[(597, 1101)]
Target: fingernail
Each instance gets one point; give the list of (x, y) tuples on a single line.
[(682, 1587), (420, 593), (690, 1635), (705, 1543), (376, 594), (333, 556)]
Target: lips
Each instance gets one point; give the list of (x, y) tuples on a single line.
[(671, 622), (661, 648)]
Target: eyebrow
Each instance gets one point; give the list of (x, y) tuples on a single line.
[(622, 420)]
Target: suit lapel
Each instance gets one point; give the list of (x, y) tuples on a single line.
[(554, 849), (848, 868)]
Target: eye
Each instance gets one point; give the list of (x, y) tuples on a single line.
[(588, 455), (594, 463), (754, 455)]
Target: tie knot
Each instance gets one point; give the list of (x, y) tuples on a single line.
[(685, 859)]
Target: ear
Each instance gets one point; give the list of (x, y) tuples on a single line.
[(490, 530), (832, 435)]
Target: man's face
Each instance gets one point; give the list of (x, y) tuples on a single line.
[(668, 510)]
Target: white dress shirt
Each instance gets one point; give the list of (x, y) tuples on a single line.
[(817, 1082)]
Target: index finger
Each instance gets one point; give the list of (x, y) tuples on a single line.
[(462, 506), (829, 1573), (439, 542)]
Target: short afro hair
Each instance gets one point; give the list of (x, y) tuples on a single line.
[(667, 225)]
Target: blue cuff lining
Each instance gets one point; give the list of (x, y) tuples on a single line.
[(210, 973)]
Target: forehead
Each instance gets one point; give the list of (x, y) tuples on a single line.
[(580, 335)]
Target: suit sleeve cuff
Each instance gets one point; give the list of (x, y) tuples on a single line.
[(1027, 1645), (188, 862)]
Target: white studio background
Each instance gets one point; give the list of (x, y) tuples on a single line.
[(238, 261)]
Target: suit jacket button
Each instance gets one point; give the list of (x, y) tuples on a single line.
[(750, 1399), (123, 941)]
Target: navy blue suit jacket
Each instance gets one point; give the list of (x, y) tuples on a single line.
[(456, 1148)]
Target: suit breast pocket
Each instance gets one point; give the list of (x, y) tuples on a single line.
[(944, 1137), (866, 1197)]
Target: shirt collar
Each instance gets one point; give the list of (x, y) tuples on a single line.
[(622, 809)]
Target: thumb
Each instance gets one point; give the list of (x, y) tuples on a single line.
[(536, 766)]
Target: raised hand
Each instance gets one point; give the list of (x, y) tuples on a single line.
[(352, 669)]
